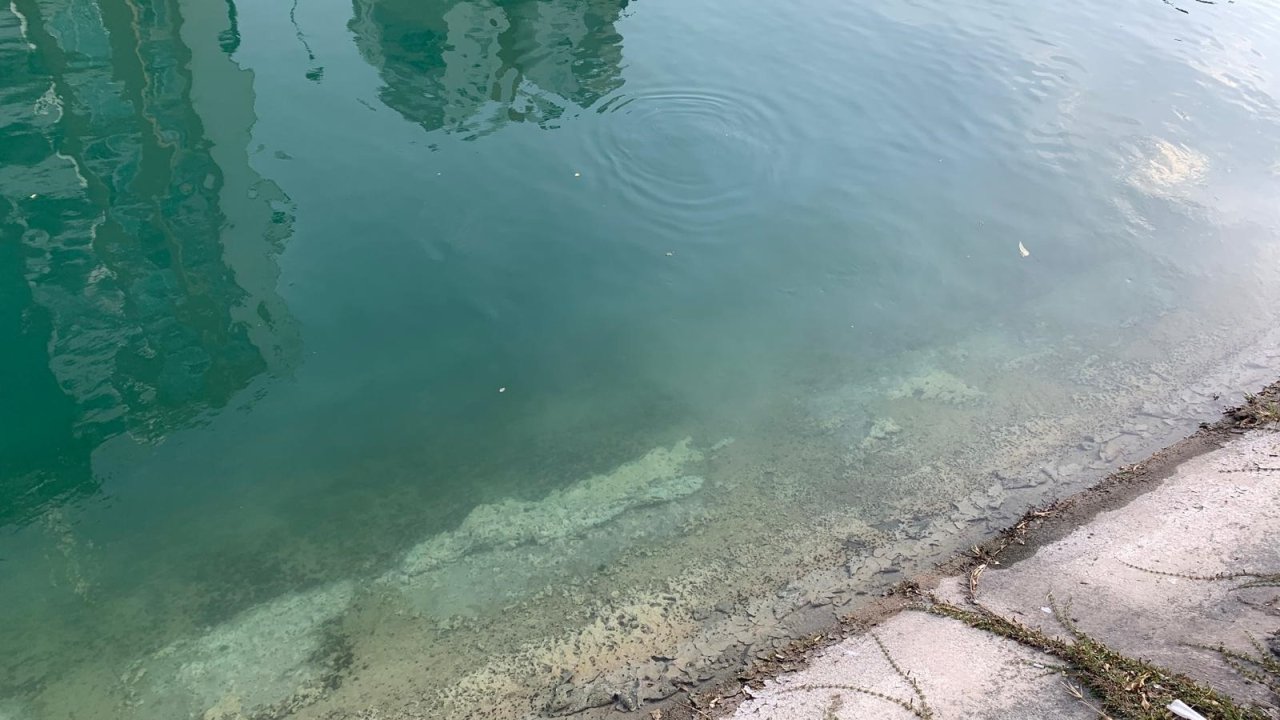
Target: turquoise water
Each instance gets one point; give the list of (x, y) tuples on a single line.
[(381, 325)]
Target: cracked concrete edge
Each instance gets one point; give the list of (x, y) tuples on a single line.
[(1037, 529)]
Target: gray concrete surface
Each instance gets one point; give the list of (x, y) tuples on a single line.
[(963, 673), (1217, 513)]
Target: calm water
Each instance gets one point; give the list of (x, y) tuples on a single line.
[(326, 324)]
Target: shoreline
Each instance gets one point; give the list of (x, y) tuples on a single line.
[(1038, 529), (633, 635)]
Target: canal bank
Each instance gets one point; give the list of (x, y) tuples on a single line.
[(1154, 586), (523, 359)]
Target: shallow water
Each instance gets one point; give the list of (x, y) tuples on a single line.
[(370, 354)]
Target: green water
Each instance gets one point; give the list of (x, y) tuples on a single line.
[(293, 296)]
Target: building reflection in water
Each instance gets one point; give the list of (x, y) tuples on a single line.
[(470, 66), (140, 291)]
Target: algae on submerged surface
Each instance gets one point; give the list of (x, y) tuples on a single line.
[(361, 359), (655, 478)]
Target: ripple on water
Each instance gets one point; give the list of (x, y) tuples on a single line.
[(691, 160)]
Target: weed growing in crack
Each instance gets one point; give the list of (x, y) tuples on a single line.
[(918, 707), (1126, 687), (1263, 668), (1255, 579)]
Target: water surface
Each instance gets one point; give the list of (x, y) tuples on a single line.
[(362, 354)]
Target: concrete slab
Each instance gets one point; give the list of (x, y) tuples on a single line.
[(1217, 513), (962, 673)]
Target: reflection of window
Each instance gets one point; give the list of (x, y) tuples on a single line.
[(471, 66)]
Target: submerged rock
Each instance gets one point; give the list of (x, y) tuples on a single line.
[(936, 386), (262, 658), (882, 429), (13, 710), (653, 479)]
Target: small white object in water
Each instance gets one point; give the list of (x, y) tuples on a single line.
[(1182, 710), (577, 174), (670, 254), (1022, 250), (33, 196), (502, 389)]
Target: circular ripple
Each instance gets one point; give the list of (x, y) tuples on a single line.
[(686, 159)]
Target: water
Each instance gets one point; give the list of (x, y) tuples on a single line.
[(419, 356)]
